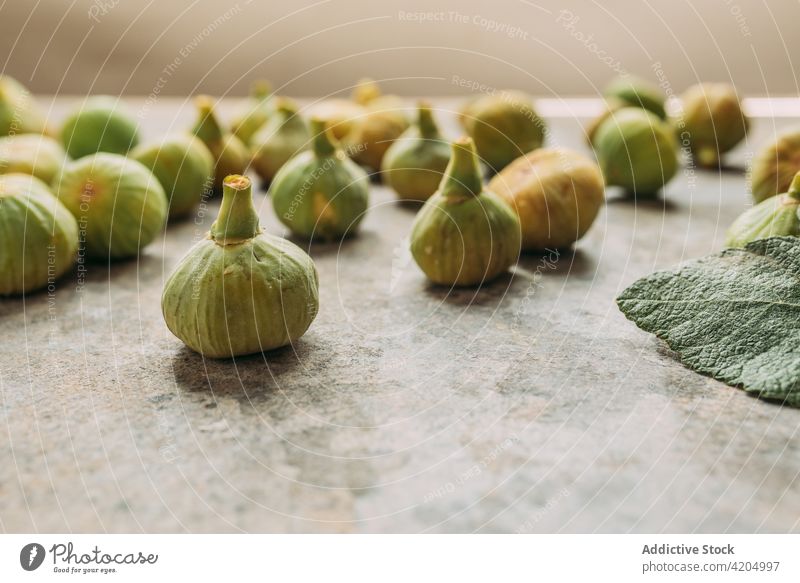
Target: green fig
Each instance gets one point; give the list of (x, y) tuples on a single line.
[(183, 166), (256, 113), (464, 234), (383, 121), (713, 121), (609, 108), (19, 113), (637, 151), (414, 164), (557, 194), (504, 127), (240, 291), (777, 216), (635, 92), (99, 124), (119, 204), (283, 136), (32, 154), (38, 238), (775, 166), (230, 154), (321, 193)]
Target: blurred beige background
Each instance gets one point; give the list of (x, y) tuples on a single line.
[(450, 47)]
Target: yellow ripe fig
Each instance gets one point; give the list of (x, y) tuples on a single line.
[(240, 290), (383, 121), (775, 165), (465, 235), (714, 121), (504, 126), (557, 194)]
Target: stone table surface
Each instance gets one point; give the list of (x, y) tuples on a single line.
[(529, 405)]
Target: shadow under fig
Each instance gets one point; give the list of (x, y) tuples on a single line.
[(490, 293), (566, 261), (247, 378)]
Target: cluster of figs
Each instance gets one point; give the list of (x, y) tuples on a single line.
[(90, 190)]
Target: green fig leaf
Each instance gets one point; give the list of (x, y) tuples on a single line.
[(733, 315)]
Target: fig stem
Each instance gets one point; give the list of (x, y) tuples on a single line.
[(794, 187), (237, 219), (261, 90), (323, 142), (207, 127), (462, 178), (427, 125)]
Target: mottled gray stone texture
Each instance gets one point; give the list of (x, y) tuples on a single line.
[(530, 405)]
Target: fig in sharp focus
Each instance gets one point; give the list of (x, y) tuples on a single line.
[(713, 121), (183, 166), (777, 216), (283, 136), (415, 163), (32, 154), (230, 154), (38, 238), (119, 204), (321, 193), (504, 127), (464, 235), (556, 192), (99, 124), (637, 151), (240, 291)]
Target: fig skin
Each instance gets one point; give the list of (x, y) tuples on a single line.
[(99, 124), (184, 168), (231, 156), (383, 121), (714, 121), (39, 238), (465, 235), (637, 151), (240, 290), (635, 92), (775, 166), (117, 201), (557, 194), (777, 216), (32, 154), (19, 112), (321, 193), (414, 164), (504, 127), (284, 136), (256, 113)]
